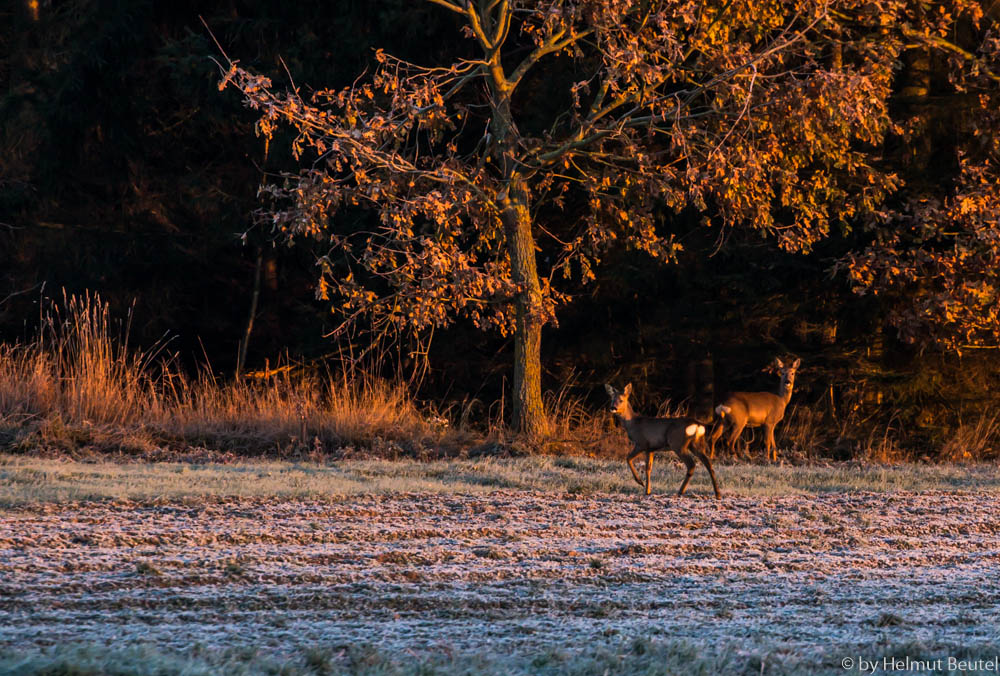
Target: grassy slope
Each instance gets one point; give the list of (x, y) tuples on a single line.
[(26, 480), (639, 656)]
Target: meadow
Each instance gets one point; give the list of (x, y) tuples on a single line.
[(410, 276), (527, 565), (152, 522)]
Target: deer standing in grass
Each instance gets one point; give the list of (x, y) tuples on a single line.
[(753, 409), (648, 435)]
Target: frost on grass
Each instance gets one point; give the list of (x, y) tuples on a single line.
[(504, 573)]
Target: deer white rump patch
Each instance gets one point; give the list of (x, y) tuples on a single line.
[(694, 430), (722, 409)]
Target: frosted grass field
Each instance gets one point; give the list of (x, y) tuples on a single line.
[(26, 480), (538, 565)]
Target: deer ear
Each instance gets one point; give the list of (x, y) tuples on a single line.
[(796, 364), (610, 390), (781, 364), (628, 390)]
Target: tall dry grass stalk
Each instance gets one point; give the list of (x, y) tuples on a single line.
[(803, 431), (974, 442), (576, 429), (76, 369), (78, 384)]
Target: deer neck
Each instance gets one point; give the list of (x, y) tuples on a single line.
[(785, 391), (627, 416)]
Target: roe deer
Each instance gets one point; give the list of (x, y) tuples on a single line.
[(753, 409), (648, 435)]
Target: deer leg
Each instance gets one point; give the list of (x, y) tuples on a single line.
[(717, 431), (690, 464), (631, 457), (711, 472), (734, 434), (649, 468), (769, 445), (688, 461)]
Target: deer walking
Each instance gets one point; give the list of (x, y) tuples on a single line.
[(753, 409), (648, 435)]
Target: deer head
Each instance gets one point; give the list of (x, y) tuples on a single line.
[(787, 374), (619, 400)]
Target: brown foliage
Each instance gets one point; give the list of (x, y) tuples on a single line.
[(937, 257), (735, 108)]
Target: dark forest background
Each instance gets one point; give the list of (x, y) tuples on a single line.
[(124, 171)]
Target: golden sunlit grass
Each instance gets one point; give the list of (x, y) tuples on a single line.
[(973, 441), (809, 434), (78, 387)]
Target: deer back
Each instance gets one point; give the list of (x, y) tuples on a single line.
[(650, 434), (755, 408)]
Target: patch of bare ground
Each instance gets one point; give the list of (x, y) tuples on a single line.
[(505, 572)]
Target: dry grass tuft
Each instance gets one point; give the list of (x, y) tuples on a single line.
[(79, 388), (578, 430), (975, 442), (803, 431)]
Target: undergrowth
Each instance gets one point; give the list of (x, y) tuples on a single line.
[(79, 389)]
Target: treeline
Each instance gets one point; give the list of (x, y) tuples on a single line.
[(124, 170)]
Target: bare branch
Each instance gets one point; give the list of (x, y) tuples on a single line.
[(503, 22), (448, 5), (475, 22), (941, 43), (217, 45), (553, 44), (934, 41), (743, 112)]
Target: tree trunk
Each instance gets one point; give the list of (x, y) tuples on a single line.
[(528, 412)]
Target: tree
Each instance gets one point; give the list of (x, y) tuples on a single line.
[(935, 252), (568, 126)]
